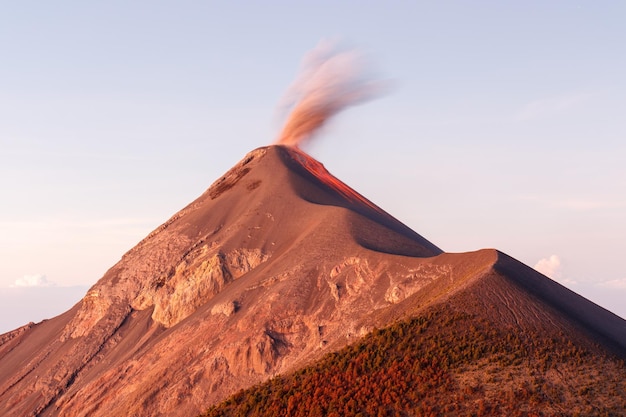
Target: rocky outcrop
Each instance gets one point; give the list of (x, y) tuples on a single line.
[(402, 287), (201, 275)]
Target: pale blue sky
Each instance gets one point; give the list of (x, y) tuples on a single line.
[(505, 126)]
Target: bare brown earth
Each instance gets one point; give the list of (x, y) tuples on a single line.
[(276, 264), (467, 356)]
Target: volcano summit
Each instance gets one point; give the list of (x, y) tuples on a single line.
[(277, 264)]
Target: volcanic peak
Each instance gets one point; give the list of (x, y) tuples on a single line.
[(311, 177), (277, 263)]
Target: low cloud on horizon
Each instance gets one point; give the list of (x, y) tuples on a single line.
[(20, 305), (29, 281), (608, 294), (550, 267)]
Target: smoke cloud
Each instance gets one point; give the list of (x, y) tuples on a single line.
[(330, 79)]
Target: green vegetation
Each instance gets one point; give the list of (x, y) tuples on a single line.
[(443, 363)]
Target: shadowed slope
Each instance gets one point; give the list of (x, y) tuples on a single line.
[(312, 176), (597, 320)]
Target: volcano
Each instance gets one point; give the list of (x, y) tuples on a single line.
[(275, 266)]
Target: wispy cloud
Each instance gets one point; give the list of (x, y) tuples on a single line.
[(571, 203), (54, 230), (551, 106), (53, 223), (619, 284), (587, 204), (36, 149), (37, 280)]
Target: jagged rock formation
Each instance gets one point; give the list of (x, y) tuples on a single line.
[(277, 263)]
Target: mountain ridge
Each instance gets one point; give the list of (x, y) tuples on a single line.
[(277, 263), (593, 317)]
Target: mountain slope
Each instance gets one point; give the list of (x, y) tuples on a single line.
[(276, 264), (445, 361)]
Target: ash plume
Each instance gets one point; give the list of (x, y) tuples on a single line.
[(330, 79)]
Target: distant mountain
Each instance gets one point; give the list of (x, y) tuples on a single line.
[(277, 264)]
